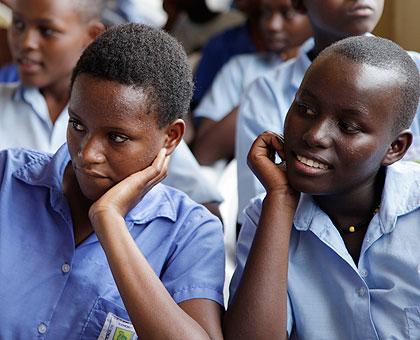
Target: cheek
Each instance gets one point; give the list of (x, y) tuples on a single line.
[(128, 164), (72, 143), (364, 158)]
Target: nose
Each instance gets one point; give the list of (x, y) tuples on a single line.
[(29, 39), (275, 22), (319, 134), (91, 151)]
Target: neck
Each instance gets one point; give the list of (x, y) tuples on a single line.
[(56, 97), (79, 205), (324, 39), (354, 207)]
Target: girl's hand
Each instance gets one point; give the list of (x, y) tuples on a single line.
[(261, 160), (127, 193)]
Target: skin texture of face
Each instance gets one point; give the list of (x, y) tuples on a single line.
[(340, 127), (281, 26), (46, 39), (332, 20), (110, 134)]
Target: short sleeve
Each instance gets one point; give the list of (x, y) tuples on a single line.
[(258, 112), (196, 267), (224, 94)]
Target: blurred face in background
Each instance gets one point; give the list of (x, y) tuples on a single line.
[(281, 26)]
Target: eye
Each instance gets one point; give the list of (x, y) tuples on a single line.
[(289, 14), (18, 24), (77, 126), (46, 31), (305, 109), (349, 127), (118, 138)]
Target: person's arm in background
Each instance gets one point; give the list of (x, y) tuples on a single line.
[(153, 312), (258, 308), (172, 11), (217, 141)]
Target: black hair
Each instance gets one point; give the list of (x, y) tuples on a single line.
[(89, 9), (145, 58), (387, 55)]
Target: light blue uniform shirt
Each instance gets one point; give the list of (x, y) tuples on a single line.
[(230, 83), (264, 106), (25, 122), (331, 298), (51, 290)]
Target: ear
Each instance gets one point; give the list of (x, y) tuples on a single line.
[(95, 28), (174, 133), (398, 147), (299, 6)]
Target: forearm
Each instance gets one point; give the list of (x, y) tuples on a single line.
[(218, 141), (153, 312), (259, 308)]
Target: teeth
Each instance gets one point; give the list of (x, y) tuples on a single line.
[(311, 163)]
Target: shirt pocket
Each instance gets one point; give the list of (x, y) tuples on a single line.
[(413, 320), (97, 317)]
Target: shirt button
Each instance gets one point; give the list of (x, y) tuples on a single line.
[(65, 268), (363, 273), (42, 328), (361, 291)]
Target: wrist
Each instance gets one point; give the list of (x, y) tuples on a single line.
[(284, 197), (99, 216)]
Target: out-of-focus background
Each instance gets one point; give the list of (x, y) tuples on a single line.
[(400, 23)]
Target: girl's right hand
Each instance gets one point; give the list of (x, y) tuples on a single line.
[(261, 160)]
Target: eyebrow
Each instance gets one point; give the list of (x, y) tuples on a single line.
[(360, 111), (119, 129), (42, 21)]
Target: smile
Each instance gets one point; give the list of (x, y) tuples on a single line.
[(312, 163)]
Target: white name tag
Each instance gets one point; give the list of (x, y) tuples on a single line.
[(116, 328)]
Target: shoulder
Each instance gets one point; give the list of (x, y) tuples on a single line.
[(176, 207), (16, 162), (402, 188)]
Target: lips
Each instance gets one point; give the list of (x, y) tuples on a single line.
[(360, 9), (89, 172), (312, 163), (28, 65)]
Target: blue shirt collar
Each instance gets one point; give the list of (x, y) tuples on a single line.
[(46, 170), (399, 197)]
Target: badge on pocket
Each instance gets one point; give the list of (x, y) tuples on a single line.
[(116, 328)]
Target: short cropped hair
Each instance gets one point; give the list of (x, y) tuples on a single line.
[(89, 9), (145, 58), (386, 55)]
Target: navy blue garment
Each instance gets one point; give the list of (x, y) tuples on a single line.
[(9, 74), (216, 53)]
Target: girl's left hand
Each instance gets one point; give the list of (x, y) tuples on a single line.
[(126, 194)]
